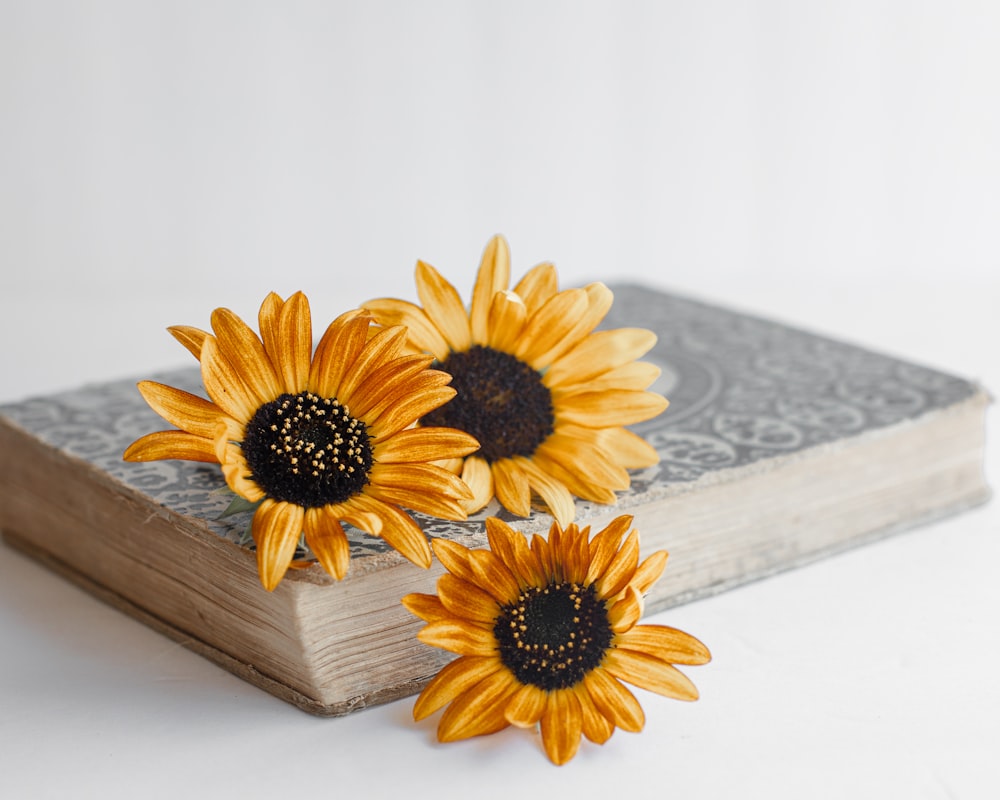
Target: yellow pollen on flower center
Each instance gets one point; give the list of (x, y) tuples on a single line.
[(552, 636), (307, 450)]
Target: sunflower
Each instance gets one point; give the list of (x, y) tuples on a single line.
[(546, 396), (546, 634), (314, 440)]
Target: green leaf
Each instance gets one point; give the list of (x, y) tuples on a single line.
[(239, 505)]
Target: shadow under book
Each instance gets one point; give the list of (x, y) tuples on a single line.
[(779, 447)]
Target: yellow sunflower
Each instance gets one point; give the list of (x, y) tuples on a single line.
[(545, 395), (314, 439), (546, 634)]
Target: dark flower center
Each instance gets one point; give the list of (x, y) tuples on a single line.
[(500, 400), (307, 450), (553, 635)]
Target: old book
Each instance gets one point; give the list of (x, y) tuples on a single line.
[(779, 447)]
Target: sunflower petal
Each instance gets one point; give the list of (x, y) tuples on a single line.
[(628, 449), (501, 538), (573, 482), (337, 350), (596, 726), (599, 299), (185, 410), (479, 478), (228, 435), (666, 644), (577, 560), (267, 324), (621, 569), (453, 465), (225, 385), (379, 388), (556, 555), (649, 571), (598, 353), (416, 499), (455, 678), (507, 317), (526, 707), (164, 445), (326, 539), (615, 702), (528, 564), (423, 335), (400, 531), (479, 710), (402, 391), (276, 529), (579, 458), (466, 600), (294, 344), (493, 277), (424, 444), (543, 556), (636, 376), (409, 409), (443, 305), (382, 348), (422, 487), (241, 347), (191, 338), (547, 328), (512, 487), (538, 284), (426, 606), (649, 673), (459, 636), (555, 494), (610, 407), (493, 576), (236, 471), (360, 512), (625, 613), (511, 547), (454, 558), (605, 544), (562, 725)]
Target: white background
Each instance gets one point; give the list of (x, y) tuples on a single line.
[(836, 165)]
